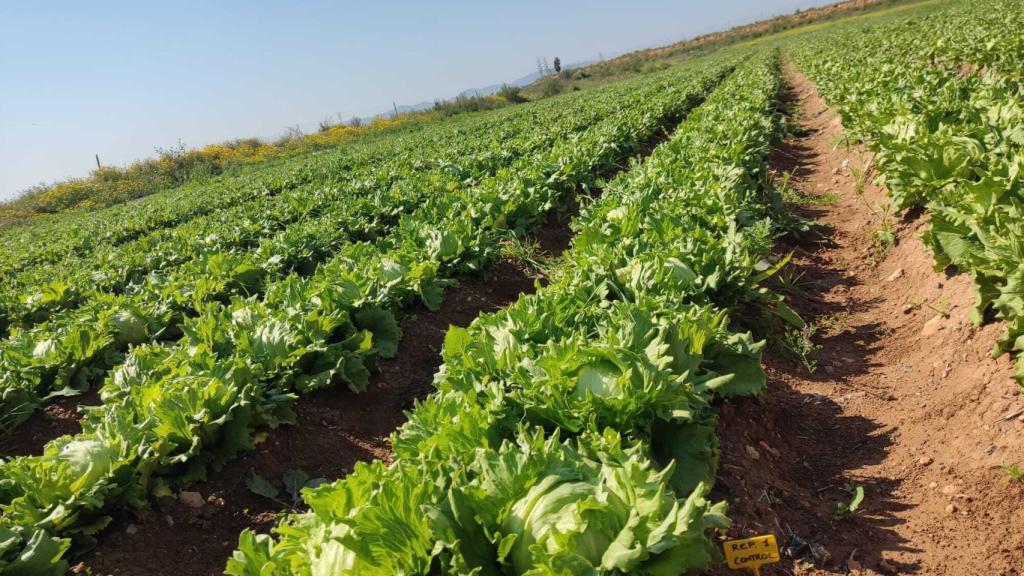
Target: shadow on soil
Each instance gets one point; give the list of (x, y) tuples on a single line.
[(786, 459), (335, 428)]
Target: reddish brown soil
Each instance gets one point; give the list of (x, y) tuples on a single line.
[(905, 401), (335, 429), (52, 421)]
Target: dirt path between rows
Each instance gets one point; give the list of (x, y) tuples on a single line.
[(905, 400), (335, 428)]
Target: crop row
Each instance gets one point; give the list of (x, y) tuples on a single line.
[(172, 411), (944, 113), (79, 232), (572, 433), (77, 346), (423, 162)]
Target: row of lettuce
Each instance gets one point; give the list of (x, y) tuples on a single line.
[(47, 240), (111, 185), (270, 200), (940, 100), (244, 251), (171, 411), (573, 432)]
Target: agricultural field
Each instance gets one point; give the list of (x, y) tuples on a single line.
[(774, 288)]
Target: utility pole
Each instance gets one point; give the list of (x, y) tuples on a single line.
[(98, 162), (396, 109)]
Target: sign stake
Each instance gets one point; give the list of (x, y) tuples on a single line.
[(751, 553)]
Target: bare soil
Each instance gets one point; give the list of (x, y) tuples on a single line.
[(51, 421), (905, 401)]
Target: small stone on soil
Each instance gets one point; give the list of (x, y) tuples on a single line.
[(769, 449), (932, 326), (131, 529), (191, 499), (892, 277), (753, 453), (925, 461), (951, 508)]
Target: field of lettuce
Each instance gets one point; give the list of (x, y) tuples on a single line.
[(940, 99), (572, 432)]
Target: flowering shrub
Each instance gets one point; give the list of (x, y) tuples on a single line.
[(110, 185)]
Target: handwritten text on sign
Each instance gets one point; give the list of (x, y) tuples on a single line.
[(751, 553)]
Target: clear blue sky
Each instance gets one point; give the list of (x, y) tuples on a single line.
[(121, 78)]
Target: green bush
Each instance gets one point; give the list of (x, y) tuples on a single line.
[(550, 87), (513, 94), (462, 104)]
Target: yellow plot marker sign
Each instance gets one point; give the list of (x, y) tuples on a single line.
[(751, 553)]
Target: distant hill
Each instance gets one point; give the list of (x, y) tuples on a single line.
[(639, 61), (470, 92)]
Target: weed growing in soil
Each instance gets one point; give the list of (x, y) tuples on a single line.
[(293, 480), (861, 177), (791, 196), (844, 509), (843, 140), (1013, 472), (8, 423), (830, 198), (794, 127), (942, 308), (792, 283), (835, 322), (786, 190), (526, 253), (799, 345), (883, 236)]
